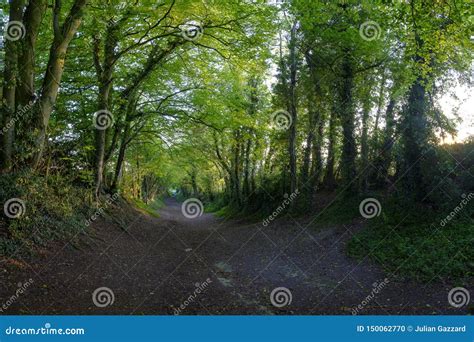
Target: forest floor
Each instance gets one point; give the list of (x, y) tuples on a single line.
[(153, 265)]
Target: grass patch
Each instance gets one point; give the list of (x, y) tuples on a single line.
[(418, 246), (342, 210), (150, 208)]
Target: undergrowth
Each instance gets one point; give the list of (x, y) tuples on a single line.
[(53, 208), (418, 242)]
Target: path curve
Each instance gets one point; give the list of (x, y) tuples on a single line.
[(206, 265)]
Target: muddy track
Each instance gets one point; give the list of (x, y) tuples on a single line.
[(206, 265)]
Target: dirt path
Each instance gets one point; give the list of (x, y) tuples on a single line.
[(206, 265)]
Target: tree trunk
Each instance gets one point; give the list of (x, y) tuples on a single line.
[(346, 112), (364, 146), (316, 162), (9, 88), (415, 139), (104, 75), (307, 157), (293, 111), (246, 185), (54, 71), (236, 169), (329, 180), (120, 159), (385, 158), (32, 18)]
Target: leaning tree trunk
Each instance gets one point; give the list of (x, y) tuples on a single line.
[(32, 19), (54, 71)]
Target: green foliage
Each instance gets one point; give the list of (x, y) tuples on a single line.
[(54, 209), (416, 243), (150, 208), (200, 121)]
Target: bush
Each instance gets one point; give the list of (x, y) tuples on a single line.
[(53, 209), (419, 243)]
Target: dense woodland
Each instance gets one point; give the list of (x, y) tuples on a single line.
[(237, 103)]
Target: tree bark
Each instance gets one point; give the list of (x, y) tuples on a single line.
[(346, 113), (293, 110), (415, 139), (329, 178), (385, 158), (10, 81), (316, 161), (55, 67), (104, 71), (32, 18), (364, 146)]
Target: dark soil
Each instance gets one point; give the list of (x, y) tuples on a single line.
[(154, 264)]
